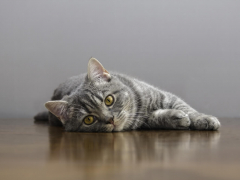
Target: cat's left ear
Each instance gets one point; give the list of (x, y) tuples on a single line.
[(58, 108), (96, 70)]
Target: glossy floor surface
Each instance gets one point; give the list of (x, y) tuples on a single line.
[(37, 151)]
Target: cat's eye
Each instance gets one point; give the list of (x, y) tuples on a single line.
[(89, 120), (109, 100)]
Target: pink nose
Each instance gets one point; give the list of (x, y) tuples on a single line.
[(110, 121)]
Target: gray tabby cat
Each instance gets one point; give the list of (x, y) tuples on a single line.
[(105, 102)]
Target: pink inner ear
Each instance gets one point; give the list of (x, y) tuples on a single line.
[(59, 110), (56, 107), (95, 70)]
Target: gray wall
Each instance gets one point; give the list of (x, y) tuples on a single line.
[(190, 48)]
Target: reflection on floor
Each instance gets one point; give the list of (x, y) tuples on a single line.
[(39, 151)]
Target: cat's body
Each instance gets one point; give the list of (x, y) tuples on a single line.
[(103, 101)]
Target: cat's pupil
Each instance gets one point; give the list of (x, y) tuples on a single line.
[(108, 100)]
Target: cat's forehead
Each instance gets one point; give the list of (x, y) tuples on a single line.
[(102, 87), (96, 93)]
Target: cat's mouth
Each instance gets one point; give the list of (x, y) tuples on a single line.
[(112, 122), (114, 126)]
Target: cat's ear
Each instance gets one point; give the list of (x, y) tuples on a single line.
[(58, 108), (96, 70)]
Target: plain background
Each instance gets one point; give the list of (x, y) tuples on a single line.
[(190, 48)]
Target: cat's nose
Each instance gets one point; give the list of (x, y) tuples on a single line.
[(110, 120)]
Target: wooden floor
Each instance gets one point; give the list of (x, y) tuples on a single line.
[(37, 151)]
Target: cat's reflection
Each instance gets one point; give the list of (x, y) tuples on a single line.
[(129, 147)]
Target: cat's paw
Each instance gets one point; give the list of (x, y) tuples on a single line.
[(179, 120), (204, 122)]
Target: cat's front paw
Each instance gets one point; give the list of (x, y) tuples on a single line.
[(204, 122), (178, 119), (181, 119)]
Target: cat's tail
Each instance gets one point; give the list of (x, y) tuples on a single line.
[(42, 116)]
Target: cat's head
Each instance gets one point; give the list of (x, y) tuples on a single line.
[(100, 103)]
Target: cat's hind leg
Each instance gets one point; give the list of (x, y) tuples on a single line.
[(169, 119), (201, 121)]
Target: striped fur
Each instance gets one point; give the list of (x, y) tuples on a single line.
[(137, 105)]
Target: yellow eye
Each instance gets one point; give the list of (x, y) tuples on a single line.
[(109, 100), (88, 120)]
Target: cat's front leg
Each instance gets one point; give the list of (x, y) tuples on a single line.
[(169, 119)]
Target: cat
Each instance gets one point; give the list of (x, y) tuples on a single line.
[(99, 101)]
